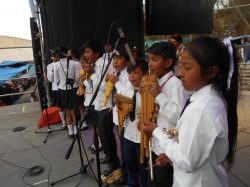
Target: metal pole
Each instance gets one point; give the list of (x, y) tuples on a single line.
[(46, 83), (236, 22), (244, 19)]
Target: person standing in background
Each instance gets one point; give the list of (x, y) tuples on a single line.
[(51, 78), (107, 52), (67, 77), (176, 39)]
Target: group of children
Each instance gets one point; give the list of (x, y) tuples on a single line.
[(205, 131)]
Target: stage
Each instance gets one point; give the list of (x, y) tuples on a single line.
[(25, 149)]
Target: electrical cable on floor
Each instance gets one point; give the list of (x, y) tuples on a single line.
[(37, 167), (35, 171), (13, 164), (17, 129)]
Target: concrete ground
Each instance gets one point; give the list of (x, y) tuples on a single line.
[(25, 149)]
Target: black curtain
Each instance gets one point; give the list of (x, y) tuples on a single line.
[(165, 17), (72, 23)]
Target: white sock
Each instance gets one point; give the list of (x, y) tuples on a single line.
[(62, 115), (100, 144), (75, 129), (70, 129)]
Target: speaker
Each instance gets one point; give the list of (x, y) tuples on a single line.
[(179, 16), (36, 46), (72, 23)]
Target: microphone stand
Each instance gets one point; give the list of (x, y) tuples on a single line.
[(77, 136)]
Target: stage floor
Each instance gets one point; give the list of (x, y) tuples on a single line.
[(25, 149)]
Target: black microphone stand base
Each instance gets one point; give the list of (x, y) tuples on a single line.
[(49, 131), (82, 171)]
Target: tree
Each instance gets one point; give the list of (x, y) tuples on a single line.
[(226, 18)]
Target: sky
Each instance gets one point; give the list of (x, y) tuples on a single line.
[(15, 18)]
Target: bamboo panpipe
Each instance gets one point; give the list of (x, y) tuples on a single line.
[(148, 111), (124, 107), (81, 86), (109, 89)]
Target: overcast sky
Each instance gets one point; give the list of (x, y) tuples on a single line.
[(15, 18)]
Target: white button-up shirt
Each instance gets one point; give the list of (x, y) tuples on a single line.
[(99, 69), (51, 74), (88, 92), (171, 101), (131, 132), (61, 73), (203, 141), (120, 85)]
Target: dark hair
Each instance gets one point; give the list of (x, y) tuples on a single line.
[(75, 53), (140, 62), (61, 50), (212, 52), (177, 37), (134, 49), (122, 52), (166, 50), (94, 45)]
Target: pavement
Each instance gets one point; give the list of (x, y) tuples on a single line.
[(26, 149)]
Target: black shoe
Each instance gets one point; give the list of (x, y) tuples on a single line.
[(84, 128), (121, 181), (71, 136), (94, 150), (110, 168), (64, 127), (104, 160), (91, 147)]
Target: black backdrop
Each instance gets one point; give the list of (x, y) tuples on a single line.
[(165, 17), (73, 22)]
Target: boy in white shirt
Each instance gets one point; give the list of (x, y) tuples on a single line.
[(93, 52), (137, 173), (120, 80), (171, 97)]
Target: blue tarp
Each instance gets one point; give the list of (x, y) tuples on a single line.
[(30, 73), (11, 63), (10, 72)]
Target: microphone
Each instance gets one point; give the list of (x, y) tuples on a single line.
[(124, 41)]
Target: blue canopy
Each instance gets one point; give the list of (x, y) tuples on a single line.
[(11, 63), (30, 73), (10, 72)]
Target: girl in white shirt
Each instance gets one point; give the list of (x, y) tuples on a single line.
[(206, 132)]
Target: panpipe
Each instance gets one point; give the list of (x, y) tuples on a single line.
[(148, 112), (86, 76), (109, 89), (124, 107)]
